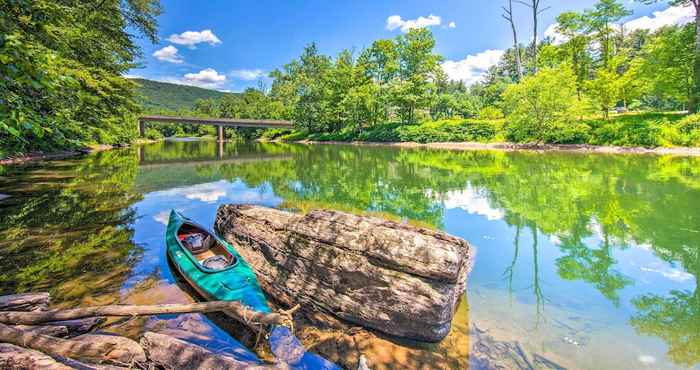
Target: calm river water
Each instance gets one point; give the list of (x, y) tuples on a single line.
[(584, 261)]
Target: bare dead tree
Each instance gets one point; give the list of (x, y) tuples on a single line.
[(535, 6), (508, 15)]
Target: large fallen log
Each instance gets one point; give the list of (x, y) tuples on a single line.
[(173, 353), (24, 302), (234, 309), (92, 348), (392, 277)]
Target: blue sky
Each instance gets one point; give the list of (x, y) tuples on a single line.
[(231, 44)]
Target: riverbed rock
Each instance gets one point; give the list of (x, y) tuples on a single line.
[(395, 278)]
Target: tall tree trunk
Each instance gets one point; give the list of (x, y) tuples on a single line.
[(535, 13), (508, 15), (695, 94)]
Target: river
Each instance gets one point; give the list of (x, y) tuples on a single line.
[(583, 261)]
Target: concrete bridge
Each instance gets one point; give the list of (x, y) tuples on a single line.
[(220, 123)]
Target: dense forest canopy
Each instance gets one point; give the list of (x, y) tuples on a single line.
[(65, 62), (164, 97)]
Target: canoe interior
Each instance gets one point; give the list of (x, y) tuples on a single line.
[(211, 246)]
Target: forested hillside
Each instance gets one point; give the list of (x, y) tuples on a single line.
[(156, 96)]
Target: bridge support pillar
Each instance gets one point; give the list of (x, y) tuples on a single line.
[(142, 128), (220, 133)]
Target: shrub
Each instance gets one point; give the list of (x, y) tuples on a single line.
[(646, 129), (490, 113), (544, 108), (381, 133), (274, 133), (689, 124), (444, 131), (625, 132), (295, 135), (153, 134)]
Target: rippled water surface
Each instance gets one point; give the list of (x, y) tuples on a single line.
[(584, 261)]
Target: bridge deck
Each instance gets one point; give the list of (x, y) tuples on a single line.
[(224, 122)]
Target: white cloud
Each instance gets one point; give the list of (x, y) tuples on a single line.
[(168, 54), (247, 74), (474, 201), (162, 217), (472, 68), (671, 16), (669, 273), (557, 38), (395, 21), (192, 38), (452, 25), (209, 78)]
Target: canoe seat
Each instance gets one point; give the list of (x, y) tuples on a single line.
[(198, 243), (217, 262)]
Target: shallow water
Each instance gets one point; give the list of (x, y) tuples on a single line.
[(584, 261)]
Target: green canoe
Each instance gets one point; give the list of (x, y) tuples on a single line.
[(216, 270), (211, 265)]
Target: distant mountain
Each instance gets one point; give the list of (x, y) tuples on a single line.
[(155, 96)]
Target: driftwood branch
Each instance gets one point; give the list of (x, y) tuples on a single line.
[(235, 309)]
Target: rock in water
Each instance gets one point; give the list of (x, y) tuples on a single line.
[(396, 278)]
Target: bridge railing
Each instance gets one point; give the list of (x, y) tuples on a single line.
[(220, 123)]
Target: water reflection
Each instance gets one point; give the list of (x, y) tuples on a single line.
[(575, 252)]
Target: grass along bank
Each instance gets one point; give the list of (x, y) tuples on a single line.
[(646, 130)]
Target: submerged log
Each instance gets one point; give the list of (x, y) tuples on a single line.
[(18, 358), (63, 329), (24, 302), (392, 277), (234, 309), (173, 353), (92, 348)]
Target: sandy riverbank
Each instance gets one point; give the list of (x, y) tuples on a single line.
[(579, 148)]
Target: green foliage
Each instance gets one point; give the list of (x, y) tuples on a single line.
[(544, 108), (449, 130), (153, 134), (648, 130), (158, 97), (274, 134), (62, 64), (490, 113)]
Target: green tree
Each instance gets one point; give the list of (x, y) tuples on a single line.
[(62, 64), (543, 107), (694, 100), (572, 26), (601, 21), (419, 69), (666, 64)]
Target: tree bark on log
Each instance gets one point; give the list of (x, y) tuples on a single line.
[(234, 309), (18, 358), (92, 349), (173, 353), (64, 329), (50, 330), (24, 302), (392, 277)]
